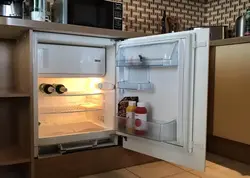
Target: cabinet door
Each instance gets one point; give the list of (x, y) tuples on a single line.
[(231, 93), (170, 74)]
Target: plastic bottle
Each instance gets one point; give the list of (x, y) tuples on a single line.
[(141, 119), (130, 115)]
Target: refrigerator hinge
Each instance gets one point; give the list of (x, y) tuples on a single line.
[(200, 44), (190, 147)]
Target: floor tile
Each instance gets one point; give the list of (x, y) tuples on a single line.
[(209, 173), (220, 172), (182, 167), (155, 170), (183, 175), (121, 173), (233, 169)]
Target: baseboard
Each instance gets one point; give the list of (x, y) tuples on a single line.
[(228, 148)]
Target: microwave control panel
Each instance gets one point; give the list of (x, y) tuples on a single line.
[(118, 13)]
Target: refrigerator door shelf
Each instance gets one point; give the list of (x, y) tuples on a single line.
[(144, 62), (155, 54), (155, 130), (136, 86)]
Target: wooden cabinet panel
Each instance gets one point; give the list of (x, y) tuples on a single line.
[(232, 93), (83, 163)]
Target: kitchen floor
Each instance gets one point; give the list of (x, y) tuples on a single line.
[(216, 167)]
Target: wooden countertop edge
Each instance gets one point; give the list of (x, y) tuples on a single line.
[(66, 28), (230, 41), (22, 25)]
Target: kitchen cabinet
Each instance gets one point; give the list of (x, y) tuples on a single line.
[(231, 93), (177, 136)]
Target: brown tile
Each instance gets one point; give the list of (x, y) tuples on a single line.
[(155, 170), (233, 169), (182, 167), (209, 173), (220, 172), (183, 175), (122, 173)]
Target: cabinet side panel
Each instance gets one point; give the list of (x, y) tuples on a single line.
[(22, 64)]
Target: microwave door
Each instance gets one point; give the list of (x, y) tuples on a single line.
[(170, 74)]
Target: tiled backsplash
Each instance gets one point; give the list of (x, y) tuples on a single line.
[(145, 15), (224, 12)]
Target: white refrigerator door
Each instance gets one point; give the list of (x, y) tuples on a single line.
[(170, 74)]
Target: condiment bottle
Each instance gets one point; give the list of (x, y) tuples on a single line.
[(141, 119), (130, 114)]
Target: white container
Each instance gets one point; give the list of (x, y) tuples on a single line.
[(38, 16)]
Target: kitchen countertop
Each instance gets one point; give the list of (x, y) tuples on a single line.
[(12, 28), (230, 41)]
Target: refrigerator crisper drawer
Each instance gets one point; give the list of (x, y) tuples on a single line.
[(107, 133), (73, 145), (65, 60)]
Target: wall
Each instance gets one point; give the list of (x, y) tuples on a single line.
[(145, 15), (224, 12)]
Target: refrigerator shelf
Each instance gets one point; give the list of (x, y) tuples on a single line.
[(136, 86), (158, 131), (144, 62), (70, 94), (70, 109)]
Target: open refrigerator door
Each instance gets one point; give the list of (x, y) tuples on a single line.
[(169, 74)]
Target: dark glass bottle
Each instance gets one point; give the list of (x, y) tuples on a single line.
[(163, 23), (46, 88), (60, 89)]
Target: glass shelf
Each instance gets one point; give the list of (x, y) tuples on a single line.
[(69, 94), (136, 86), (162, 132), (86, 107), (143, 62)]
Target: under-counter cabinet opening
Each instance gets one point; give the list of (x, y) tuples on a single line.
[(82, 86), (15, 117)]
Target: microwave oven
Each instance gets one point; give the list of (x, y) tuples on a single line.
[(94, 13)]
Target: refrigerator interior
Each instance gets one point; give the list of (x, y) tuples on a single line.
[(154, 72), (78, 111)]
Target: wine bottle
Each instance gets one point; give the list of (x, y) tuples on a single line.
[(60, 88), (46, 88), (163, 23)]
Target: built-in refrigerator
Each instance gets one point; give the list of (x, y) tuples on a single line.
[(168, 72)]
